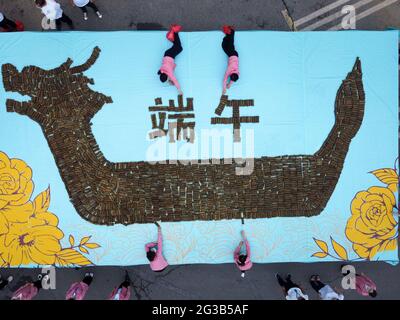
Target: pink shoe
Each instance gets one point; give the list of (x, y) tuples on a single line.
[(171, 36), (227, 29), (176, 28)]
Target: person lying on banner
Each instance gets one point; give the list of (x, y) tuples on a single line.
[(228, 45), (154, 253), (242, 255), (168, 65)]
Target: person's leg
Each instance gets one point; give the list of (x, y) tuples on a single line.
[(314, 285), (93, 6), (84, 9), (88, 279), (228, 44), (282, 283), (175, 49), (289, 283), (38, 284), (3, 284), (9, 24), (58, 24), (67, 20)]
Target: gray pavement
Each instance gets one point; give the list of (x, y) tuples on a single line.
[(210, 281)]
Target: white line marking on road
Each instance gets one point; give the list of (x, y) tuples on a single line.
[(320, 12), (368, 12), (335, 16)]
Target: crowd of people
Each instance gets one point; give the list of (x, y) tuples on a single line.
[(154, 253)]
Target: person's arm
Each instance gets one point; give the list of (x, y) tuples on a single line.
[(72, 2), (159, 241), (248, 252), (175, 82), (224, 83)]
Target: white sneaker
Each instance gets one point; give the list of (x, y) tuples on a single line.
[(99, 14), (10, 278), (85, 16)]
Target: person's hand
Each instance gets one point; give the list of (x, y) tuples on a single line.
[(157, 223), (224, 91), (180, 92)]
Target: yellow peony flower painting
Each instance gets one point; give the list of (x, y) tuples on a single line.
[(372, 227), (29, 232)]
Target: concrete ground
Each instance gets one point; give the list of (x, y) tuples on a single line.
[(213, 281)]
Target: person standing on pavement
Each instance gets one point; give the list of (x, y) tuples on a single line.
[(242, 255), (84, 4), (52, 10), (78, 290), (325, 291), (291, 290)]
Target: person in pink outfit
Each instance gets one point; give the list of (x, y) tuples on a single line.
[(123, 292), (78, 290), (29, 290), (365, 286), (242, 255), (228, 45), (166, 72), (154, 253)]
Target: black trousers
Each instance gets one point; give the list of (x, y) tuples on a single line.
[(91, 5), (175, 49), (228, 45), (287, 284), (125, 284), (38, 284), (64, 18), (8, 24), (88, 280), (3, 284), (317, 285)]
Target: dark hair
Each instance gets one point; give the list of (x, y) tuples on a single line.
[(234, 77), (242, 259), (150, 255), (373, 294), (40, 3), (163, 76)]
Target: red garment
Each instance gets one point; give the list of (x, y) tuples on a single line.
[(168, 67), (26, 292), (125, 293), (364, 284), (248, 264), (233, 67), (77, 291), (159, 263)]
